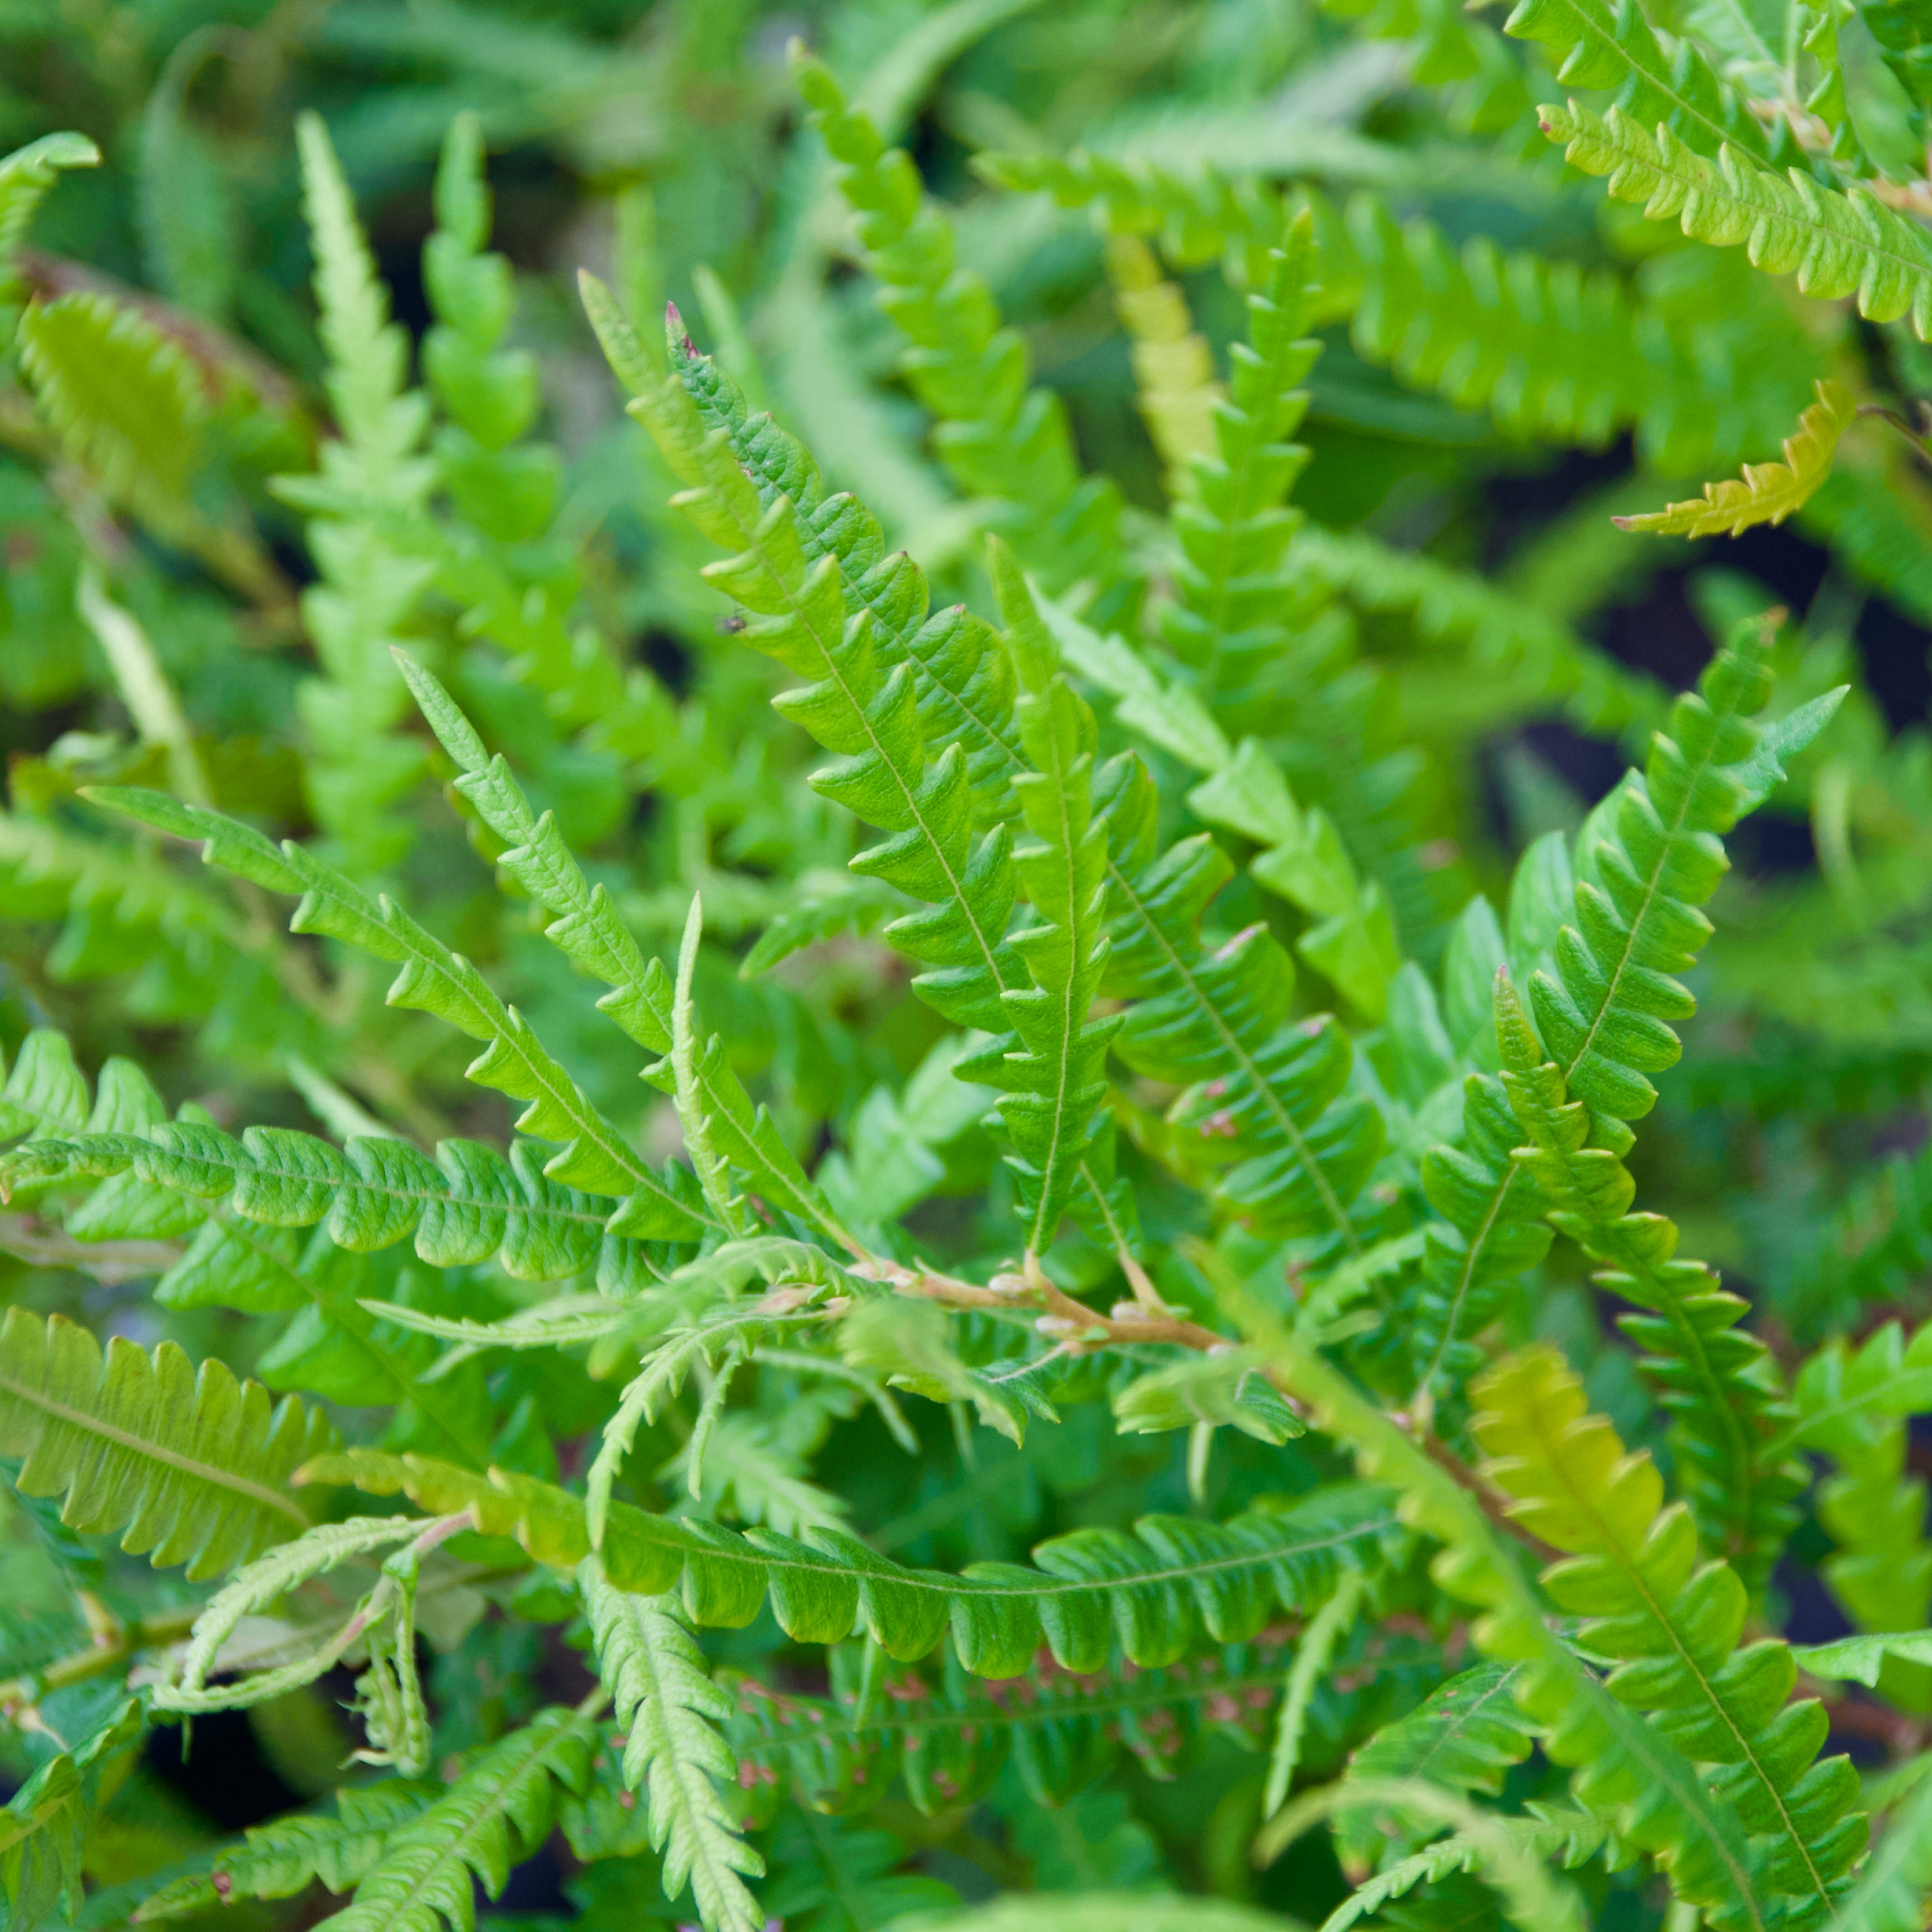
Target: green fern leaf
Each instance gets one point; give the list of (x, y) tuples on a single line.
[(585, 927), (434, 980), (1152, 1592), (1549, 348), (1882, 1570), (468, 1205), (1768, 492), (860, 706), (1718, 1379), (375, 465), (46, 1091), (1624, 1768), (1836, 244), (190, 1466), (1890, 1894), (1847, 1398), (283, 1858), (1859, 1660), (1465, 1735), (261, 1584), (1674, 1624), (1562, 1840), (1604, 46), (1490, 1233), (564, 1321), (961, 690), (1313, 1658), (497, 1812), (1506, 635), (669, 1710), (26, 176), (1650, 854), (128, 403), (1054, 1086), (366, 502), (949, 1740), (169, 1180), (1003, 441), (1268, 1096)]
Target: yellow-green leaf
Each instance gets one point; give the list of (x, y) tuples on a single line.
[(1767, 493)]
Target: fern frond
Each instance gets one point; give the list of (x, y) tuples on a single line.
[(1152, 1592), (376, 464), (191, 1467), (1313, 1658), (804, 1275), (1241, 602), (505, 488), (127, 402), (1234, 530), (46, 1091), (259, 1586), (241, 1201), (949, 1740), (495, 1815), (861, 705), (963, 678), (1001, 439), (1464, 1736), (1674, 1624), (586, 928), (1562, 1840), (280, 1859), (563, 1321), (1491, 1232), (1174, 367), (1548, 348), (1847, 1399), (1890, 1894), (1197, 214), (26, 176), (1881, 1571), (1053, 1088), (366, 502), (118, 911), (1624, 1768), (1269, 1095), (1218, 1391), (433, 980), (468, 1205), (1605, 47), (1649, 856), (961, 694), (1860, 1660), (1835, 244), (1717, 1380), (1768, 492), (671, 1710)]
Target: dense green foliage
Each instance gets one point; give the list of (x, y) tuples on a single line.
[(1082, 1314)]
